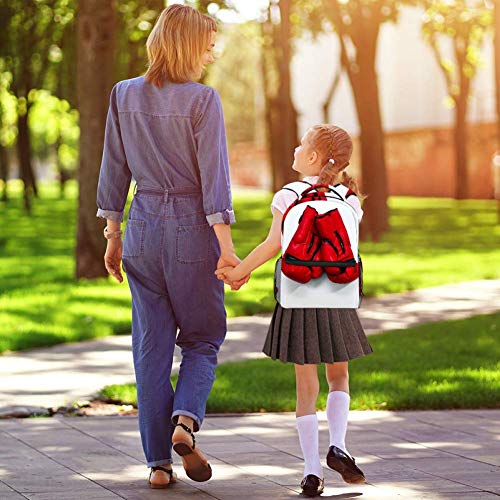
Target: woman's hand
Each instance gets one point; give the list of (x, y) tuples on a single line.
[(113, 258), (231, 260), (227, 274), (228, 259)]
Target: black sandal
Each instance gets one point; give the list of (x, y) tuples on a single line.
[(195, 464), (188, 430), (160, 486)]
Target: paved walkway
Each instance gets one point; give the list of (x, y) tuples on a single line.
[(61, 374), (407, 455)]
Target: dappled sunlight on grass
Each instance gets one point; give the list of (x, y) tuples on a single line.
[(125, 393), (49, 314), (448, 364), (432, 241)]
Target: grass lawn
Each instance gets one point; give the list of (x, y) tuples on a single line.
[(432, 241), (448, 364)]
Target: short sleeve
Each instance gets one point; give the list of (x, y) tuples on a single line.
[(353, 200), (282, 200)]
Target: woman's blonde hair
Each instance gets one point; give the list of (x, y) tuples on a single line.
[(333, 143), (177, 43)]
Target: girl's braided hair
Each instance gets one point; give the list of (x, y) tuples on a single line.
[(334, 147)]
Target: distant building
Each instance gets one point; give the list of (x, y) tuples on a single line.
[(415, 117), (412, 86)]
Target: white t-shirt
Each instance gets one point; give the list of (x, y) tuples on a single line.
[(284, 198)]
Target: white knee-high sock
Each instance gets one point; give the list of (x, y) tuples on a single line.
[(307, 427), (337, 413)]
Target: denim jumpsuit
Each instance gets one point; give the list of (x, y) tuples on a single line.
[(172, 141)]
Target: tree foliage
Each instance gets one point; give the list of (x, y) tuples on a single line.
[(30, 40), (30, 51), (135, 21), (463, 24), (235, 77)]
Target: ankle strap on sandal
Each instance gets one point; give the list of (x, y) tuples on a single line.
[(187, 429), (159, 467)]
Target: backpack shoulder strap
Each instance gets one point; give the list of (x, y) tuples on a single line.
[(339, 190), (344, 190), (297, 187)]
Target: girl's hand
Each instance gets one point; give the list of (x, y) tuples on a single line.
[(226, 274), (231, 277), (113, 258), (231, 260)]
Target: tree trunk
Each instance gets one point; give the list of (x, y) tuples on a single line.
[(61, 171), (156, 5), (136, 66), (63, 174), (364, 83), (4, 172), (285, 120), (280, 114), (4, 162), (24, 157), (95, 31), (460, 142), (460, 132), (331, 93), (137, 63), (496, 28), (264, 58), (497, 67)]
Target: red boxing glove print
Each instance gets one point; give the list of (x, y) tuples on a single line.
[(336, 247), (304, 247)]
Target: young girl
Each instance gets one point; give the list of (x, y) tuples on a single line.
[(308, 337)]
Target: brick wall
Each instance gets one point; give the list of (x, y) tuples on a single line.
[(419, 162)]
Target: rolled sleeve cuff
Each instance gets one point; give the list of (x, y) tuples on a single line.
[(226, 217), (110, 214)]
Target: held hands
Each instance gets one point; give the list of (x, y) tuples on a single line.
[(228, 275), (225, 265), (225, 271)]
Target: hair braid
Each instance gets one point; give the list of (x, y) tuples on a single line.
[(334, 147)]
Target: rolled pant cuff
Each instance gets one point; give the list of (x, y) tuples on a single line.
[(156, 463), (197, 421)]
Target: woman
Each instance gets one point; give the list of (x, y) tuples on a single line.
[(168, 133)]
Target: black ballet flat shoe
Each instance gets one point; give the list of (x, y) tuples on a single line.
[(346, 466), (312, 486)]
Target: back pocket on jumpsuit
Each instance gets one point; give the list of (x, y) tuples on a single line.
[(193, 243), (133, 244)]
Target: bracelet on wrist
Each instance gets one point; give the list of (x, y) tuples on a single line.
[(112, 235)]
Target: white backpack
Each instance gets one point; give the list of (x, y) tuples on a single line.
[(323, 250)]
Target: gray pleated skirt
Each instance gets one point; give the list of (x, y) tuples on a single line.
[(314, 336)]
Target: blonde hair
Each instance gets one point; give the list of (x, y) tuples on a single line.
[(177, 43), (333, 143)]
